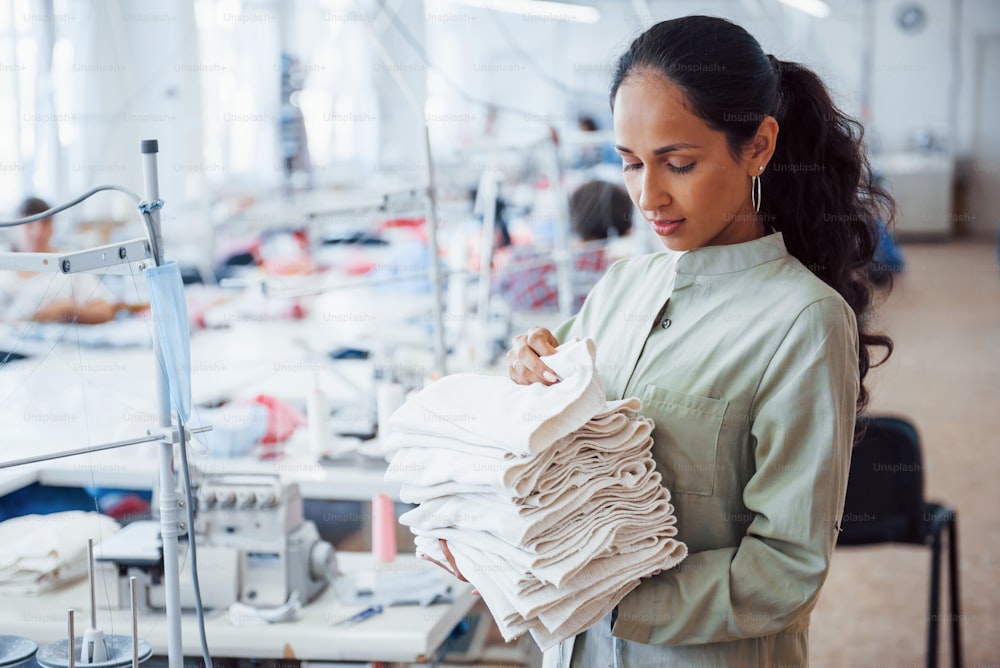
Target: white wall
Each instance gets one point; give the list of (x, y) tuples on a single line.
[(931, 80), (917, 75), (910, 78), (120, 60)]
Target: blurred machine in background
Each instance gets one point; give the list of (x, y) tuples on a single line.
[(254, 546)]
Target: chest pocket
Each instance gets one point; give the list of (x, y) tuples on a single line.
[(685, 438)]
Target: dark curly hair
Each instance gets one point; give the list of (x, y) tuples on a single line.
[(819, 189)]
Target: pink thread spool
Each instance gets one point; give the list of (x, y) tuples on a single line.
[(383, 529)]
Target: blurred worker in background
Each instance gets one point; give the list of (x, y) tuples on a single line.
[(50, 297), (600, 213)]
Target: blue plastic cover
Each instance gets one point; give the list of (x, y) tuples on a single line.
[(170, 318)]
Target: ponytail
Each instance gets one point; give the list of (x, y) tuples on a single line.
[(818, 189)]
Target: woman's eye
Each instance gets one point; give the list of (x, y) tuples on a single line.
[(683, 169)]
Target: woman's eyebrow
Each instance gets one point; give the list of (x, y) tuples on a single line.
[(661, 150)]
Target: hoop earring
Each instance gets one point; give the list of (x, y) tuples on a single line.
[(755, 192)]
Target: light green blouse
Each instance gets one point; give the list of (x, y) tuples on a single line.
[(748, 364)]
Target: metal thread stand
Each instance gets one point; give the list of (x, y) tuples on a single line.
[(170, 502)]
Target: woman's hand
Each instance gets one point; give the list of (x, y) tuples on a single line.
[(452, 567), (526, 367), (94, 312)]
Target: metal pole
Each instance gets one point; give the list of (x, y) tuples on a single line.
[(34, 459), (562, 252), (169, 499), (135, 623), (488, 193), (71, 648), (440, 350), (90, 576)]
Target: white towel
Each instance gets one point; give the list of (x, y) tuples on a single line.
[(548, 497), (567, 611), (430, 461), (495, 411), (521, 525), (42, 552), (556, 567), (562, 558)]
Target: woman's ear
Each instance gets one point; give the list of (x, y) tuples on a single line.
[(758, 153)]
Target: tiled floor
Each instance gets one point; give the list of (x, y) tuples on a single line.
[(944, 314)]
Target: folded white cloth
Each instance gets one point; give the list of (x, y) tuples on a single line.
[(42, 552), (521, 419), (548, 497), (431, 460), (520, 524), (567, 610)]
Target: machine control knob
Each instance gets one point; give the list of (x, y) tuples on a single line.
[(267, 501), (207, 500), (322, 562), (247, 499), (228, 500)]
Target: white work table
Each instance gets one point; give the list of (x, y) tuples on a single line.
[(406, 633), (68, 397), (118, 469)]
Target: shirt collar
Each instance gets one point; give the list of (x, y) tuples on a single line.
[(733, 257)]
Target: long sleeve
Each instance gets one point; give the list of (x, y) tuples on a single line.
[(801, 433), (581, 324), (566, 329)]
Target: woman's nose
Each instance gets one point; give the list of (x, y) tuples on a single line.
[(654, 191)]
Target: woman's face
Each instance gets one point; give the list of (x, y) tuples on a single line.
[(37, 235), (679, 171)]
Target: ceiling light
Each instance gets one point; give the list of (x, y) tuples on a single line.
[(817, 8), (542, 9)]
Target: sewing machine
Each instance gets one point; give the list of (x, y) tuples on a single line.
[(253, 546)]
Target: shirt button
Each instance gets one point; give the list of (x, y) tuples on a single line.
[(665, 323)]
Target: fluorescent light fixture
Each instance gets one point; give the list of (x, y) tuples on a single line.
[(542, 9), (817, 8)]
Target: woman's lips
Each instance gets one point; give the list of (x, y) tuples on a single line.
[(666, 227)]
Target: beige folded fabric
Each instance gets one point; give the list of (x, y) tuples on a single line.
[(554, 614), (426, 459), (521, 524), (42, 552), (548, 497), (493, 411)]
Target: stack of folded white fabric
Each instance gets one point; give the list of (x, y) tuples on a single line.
[(548, 497), (42, 552)]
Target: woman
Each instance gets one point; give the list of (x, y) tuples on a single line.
[(746, 346), (44, 298)]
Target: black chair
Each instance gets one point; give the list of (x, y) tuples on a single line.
[(885, 504)]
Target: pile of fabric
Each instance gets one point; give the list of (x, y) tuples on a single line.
[(42, 552), (548, 496)]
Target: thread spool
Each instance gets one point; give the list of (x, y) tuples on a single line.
[(388, 398), (318, 420), (383, 529)]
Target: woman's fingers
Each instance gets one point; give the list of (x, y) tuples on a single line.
[(525, 365), (451, 559), (437, 563), (541, 341)]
